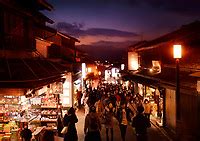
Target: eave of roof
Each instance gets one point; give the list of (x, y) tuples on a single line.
[(26, 73), (167, 77), (45, 4), (195, 74), (67, 36)]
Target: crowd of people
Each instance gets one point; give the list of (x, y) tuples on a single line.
[(105, 105)]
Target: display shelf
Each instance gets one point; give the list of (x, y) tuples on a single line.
[(55, 120), (35, 122), (35, 106), (43, 107), (5, 122), (48, 114), (48, 107)]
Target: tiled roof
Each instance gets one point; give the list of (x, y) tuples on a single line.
[(28, 72), (187, 34)]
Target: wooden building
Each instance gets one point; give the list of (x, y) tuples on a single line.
[(156, 68), (21, 67)]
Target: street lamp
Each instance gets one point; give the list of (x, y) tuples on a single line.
[(177, 55)]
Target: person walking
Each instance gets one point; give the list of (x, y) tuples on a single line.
[(108, 117), (99, 107), (70, 120), (147, 109), (92, 126), (48, 135), (26, 134), (79, 97), (123, 119), (59, 125), (141, 123)]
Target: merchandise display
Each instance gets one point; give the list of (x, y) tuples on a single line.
[(38, 112)]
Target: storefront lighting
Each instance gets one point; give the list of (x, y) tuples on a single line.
[(89, 70), (113, 72), (106, 74), (66, 98), (83, 70), (133, 63), (152, 89), (122, 66), (66, 101), (50, 91)]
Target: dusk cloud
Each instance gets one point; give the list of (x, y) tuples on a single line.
[(105, 50), (109, 32), (124, 44), (76, 29), (121, 20), (108, 24)]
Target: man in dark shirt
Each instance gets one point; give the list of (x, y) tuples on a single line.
[(26, 134), (141, 123)]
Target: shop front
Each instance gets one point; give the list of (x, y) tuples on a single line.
[(155, 97), (37, 108), (29, 96), (78, 88)]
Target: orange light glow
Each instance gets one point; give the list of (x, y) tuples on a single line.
[(133, 61), (177, 51), (89, 70)]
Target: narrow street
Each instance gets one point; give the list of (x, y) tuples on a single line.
[(153, 132)]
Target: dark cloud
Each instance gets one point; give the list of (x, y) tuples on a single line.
[(113, 44), (71, 29), (109, 32), (76, 29)]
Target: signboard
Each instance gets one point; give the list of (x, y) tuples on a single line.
[(133, 63)]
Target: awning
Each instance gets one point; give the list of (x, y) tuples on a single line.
[(196, 74), (166, 77), (142, 79), (29, 73)]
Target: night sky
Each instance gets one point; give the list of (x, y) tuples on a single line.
[(107, 22)]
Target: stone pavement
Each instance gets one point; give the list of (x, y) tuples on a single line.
[(154, 133)]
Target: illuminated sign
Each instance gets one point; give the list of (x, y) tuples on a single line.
[(133, 61)]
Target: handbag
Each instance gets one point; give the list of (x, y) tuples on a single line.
[(64, 130)]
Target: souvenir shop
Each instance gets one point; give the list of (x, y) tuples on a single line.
[(155, 98), (37, 108)]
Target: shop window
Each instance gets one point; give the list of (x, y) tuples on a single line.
[(156, 67)]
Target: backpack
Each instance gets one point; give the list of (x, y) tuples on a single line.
[(93, 123)]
